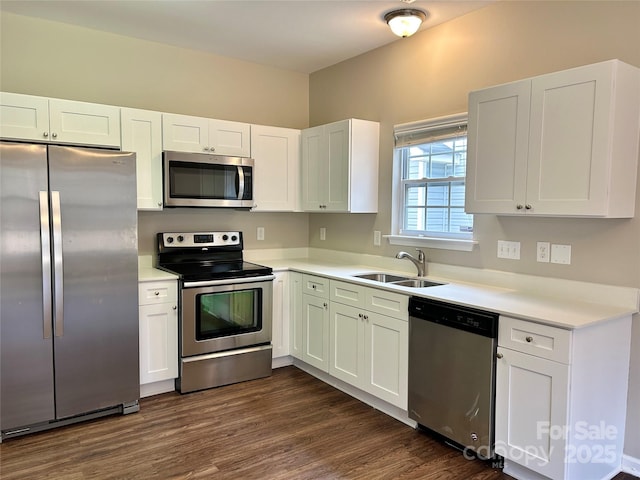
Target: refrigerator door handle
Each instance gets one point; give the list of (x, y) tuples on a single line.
[(57, 262), (45, 245)]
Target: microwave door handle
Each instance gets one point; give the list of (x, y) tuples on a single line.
[(240, 183)]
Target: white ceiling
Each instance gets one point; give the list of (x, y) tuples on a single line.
[(298, 35)]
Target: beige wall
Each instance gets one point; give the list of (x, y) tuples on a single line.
[(57, 60), (431, 73)]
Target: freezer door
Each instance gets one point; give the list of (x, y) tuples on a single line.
[(94, 231), (26, 353)]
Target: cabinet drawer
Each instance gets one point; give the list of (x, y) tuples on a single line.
[(157, 292), (347, 293), (535, 339), (387, 303), (313, 285)]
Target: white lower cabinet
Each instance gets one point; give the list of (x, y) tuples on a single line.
[(560, 399), (295, 315), (158, 317), (369, 351), (315, 331), (280, 317), (356, 334)]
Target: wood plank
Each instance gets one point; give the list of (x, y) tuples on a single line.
[(288, 426)]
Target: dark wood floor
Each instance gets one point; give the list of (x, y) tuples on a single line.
[(288, 426)]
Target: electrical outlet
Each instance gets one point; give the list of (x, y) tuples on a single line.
[(542, 252), (323, 233), (377, 237), (260, 233)]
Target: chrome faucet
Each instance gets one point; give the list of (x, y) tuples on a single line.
[(420, 263)]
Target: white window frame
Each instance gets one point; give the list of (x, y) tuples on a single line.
[(443, 240)]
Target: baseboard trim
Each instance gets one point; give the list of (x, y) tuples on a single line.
[(631, 465)]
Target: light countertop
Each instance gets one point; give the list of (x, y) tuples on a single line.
[(570, 309)]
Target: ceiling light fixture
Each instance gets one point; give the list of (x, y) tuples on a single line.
[(405, 22)]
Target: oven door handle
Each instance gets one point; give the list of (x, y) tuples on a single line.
[(229, 281)]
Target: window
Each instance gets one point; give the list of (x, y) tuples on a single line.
[(431, 163)]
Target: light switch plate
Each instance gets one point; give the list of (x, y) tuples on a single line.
[(377, 238), (510, 250), (323, 233), (260, 233), (561, 254)]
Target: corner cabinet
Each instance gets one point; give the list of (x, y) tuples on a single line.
[(280, 316), (183, 133), (340, 167), (158, 316), (53, 120), (142, 134), (276, 152), (562, 144), (560, 399)]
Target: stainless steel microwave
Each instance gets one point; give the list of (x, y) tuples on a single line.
[(202, 180)]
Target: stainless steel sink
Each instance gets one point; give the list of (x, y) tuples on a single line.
[(398, 280), (382, 277), (416, 283)]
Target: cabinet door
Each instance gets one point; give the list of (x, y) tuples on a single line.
[(158, 342), (314, 169), (24, 117), (276, 152), (497, 143), (84, 123), (315, 349), (142, 134), (280, 320), (347, 344), (182, 133), (337, 187), (296, 338), (387, 356), (531, 411), (569, 141), (229, 138)]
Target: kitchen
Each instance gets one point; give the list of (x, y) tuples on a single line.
[(499, 43)]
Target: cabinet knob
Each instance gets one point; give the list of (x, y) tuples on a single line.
[(499, 355), (156, 293), (45, 134), (325, 305), (529, 339), (366, 317), (206, 149), (528, 206), (175, 307), (54, 135), (519, 206), (213, 149), (159, 204), (313, 286)]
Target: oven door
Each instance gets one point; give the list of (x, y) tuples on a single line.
[(225, 314)]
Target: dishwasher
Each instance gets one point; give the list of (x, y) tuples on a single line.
[(452, 364)]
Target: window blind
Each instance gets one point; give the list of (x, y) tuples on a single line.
[(433, 130)]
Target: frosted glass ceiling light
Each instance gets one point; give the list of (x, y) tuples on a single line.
[(405, 22)]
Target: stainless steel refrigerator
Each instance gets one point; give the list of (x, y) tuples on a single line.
[(68, 285)]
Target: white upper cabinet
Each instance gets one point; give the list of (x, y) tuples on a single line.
[(41, 119), (276, 152), (142, 134), (183, 133), (562, 144), (340, 167)]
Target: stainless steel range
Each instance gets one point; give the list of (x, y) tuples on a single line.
[(225, 309)]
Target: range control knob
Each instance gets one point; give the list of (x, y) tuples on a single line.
[(180, 238), (225, 237), (169, 239), (234, 238)]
